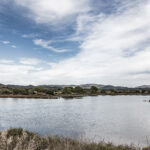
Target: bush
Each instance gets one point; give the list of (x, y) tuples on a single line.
[(5, 91), (78, 89), (94, 89), (67, 90), (50, 92), (31, 91), (19, 91), (39, 89)]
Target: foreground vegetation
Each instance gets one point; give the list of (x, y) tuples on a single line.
[(19, 139), (66, 92)]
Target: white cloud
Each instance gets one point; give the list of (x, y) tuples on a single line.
[(30, 61), (46, 44), (51, 11), (114, 49), (32, 35), (13, 46), (17, 74), (112, 52), (8, 43), (5, 42), (5, 61)]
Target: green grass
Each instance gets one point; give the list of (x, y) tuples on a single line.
[(19, 139)]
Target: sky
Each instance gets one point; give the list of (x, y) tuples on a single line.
[(75, 42)]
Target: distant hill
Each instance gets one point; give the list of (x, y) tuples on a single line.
[(85, 86), (2, 86), (144, 87), (19, 86), (88, 86), (32, 86), (100, 86)]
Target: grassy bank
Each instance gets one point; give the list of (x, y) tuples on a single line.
[(19, 139)]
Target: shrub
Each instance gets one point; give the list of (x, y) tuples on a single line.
[(78, 89), (94, 89), (50, 92), (30, 91), (67, 90), (19, 91), (5, 91), (39, 89)]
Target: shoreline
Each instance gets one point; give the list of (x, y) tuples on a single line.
[(29, 96), (67, 96)]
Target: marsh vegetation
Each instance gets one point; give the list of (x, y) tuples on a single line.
[(19, 139)]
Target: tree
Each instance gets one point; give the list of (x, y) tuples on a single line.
[(78, 89), (50, 91), (94, 89), (39, 89), (31, 91), (19, 91), (5, 91), (67, 90)]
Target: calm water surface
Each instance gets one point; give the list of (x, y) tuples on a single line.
[(119, 119)]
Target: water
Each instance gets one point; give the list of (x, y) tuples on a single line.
[(117, 119)]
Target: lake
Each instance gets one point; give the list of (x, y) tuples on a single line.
[(117, 119)]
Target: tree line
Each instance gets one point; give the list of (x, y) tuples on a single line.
[(42, 90)]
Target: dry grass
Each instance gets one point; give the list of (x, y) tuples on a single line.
[(19, 139)]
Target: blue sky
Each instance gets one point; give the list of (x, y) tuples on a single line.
[(75, 42)]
